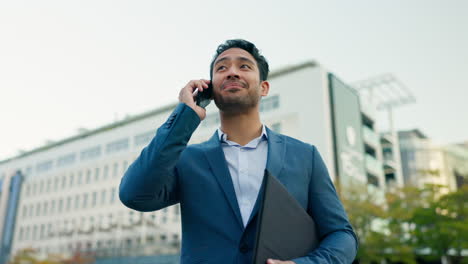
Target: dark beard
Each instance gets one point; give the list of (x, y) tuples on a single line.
[(237, 105)]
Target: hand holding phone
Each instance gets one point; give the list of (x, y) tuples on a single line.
[(190, 96), (203, 99)]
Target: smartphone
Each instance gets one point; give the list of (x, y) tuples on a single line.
[(203, 99)]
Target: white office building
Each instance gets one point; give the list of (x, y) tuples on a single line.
[(425, 162)]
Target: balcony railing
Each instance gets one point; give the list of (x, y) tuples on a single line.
[(370, 137), (374, 166)]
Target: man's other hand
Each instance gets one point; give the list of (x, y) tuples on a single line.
[(275, 261), (186, 95)]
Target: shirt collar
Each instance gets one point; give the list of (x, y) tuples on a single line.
[(223, 136)]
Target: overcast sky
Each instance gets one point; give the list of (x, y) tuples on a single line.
[(71, 64)]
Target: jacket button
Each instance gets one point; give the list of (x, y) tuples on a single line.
[(243, 248)]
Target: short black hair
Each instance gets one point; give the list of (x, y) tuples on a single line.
[(247, 46)]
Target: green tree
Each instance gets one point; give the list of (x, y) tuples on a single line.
[(365, 214), (411, 222), (30, 256), (401, 205), (24, 256), (442, 224)]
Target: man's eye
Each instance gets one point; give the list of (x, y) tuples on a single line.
[(221, 68), (245, 66)]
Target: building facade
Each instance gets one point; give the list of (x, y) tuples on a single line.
[(423, 161), (457, 163)]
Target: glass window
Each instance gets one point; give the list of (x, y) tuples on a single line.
[(91, 221), (105, 172), (26, 235), (20, 236), (44, 166), (65, 225), (85, 200), (60, 206), (49, 229), (80, 178), (49, 185), (116, 146), (72, 179), (115, 170), (128, 242), (44, 209), (269, 103), (77, 201), (34, 232), (69, 201), (66, 160), (112, 198), (25, 211), (96, 174), (42, 232), (88, 176), (38, 209), (64, 182), (31, 210), (103, 196), (150, 239), (93, 199), (56, 183), (52, 206), (91, 153)]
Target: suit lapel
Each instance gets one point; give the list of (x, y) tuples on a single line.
[(276, 153), (275, 160), (215, 156)]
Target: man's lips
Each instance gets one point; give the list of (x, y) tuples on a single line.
[(233, 85)]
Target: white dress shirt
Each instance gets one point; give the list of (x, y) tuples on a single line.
[(246, 165)]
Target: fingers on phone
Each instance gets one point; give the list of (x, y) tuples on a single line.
[(200, 86), (197, 86)]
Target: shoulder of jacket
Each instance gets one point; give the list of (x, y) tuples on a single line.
[(296, 142)]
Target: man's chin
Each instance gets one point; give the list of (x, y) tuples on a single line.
[(234, 106)]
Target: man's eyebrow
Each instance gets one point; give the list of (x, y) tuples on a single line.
[(221, 60), (237, 58), (246, 59)]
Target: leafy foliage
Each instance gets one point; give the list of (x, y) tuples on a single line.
[(409, 223)]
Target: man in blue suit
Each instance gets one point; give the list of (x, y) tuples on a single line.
[(217, 182)]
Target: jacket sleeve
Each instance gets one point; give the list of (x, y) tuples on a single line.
[(151, 181), (338, 242)]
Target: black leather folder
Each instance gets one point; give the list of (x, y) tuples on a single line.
[(285, 231)]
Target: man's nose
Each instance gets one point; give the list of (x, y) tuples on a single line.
[(233, 73)]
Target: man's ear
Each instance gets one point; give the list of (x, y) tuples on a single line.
[(264, 88)]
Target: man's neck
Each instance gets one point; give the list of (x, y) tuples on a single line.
[(241, 128)]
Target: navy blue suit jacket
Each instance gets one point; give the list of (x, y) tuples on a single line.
[(196, 176)]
